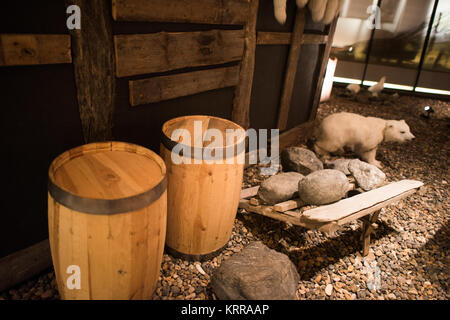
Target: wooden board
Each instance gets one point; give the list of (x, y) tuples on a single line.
[(24, 264), (339, 210), (190, 11), (94, 69), (164, 51), (179, 85), (242, 96), (34, 49), (284, 38), (249, 192), (291, 69)]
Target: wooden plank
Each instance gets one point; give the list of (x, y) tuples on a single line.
[(310, 38), (190, 11), (288, 205), (179, 85), (291, 69), (269, 212), (284, 38), (346, 207), (249, 192), (297, 135), (323, 67), (24, 264), (34, 49), (242, 95), (93, 59), (164, 51)]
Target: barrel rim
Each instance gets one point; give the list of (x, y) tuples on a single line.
[(170, 144), (105, 206)]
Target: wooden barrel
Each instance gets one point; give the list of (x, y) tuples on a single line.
[(107, 206), (203, 196)]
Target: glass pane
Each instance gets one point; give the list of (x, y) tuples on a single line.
[(437, 57), (350, 40), (397, 45), (436, 65)]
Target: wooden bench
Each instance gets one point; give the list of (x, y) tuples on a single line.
[(365, 206)]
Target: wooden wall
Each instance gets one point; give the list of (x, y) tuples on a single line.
[(131, 68)]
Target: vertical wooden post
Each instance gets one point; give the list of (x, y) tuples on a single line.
[(93, 59), (291, 68), (243, 92), (367, 229), (323, 68)]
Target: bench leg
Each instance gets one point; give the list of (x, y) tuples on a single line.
[(367, 229)]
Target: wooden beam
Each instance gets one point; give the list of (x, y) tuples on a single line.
[(288, 205), (297, 135), (379, 197), (93, 58), (242, 95), (179, 85), (273, 38), (24, 264), (249, 192), (34, 49), (323, 67), (291, 69), (284, 38), (269, 212), (164, 51), (188, 11)]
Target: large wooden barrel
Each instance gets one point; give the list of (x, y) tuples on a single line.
[(107, 206), (203, 196)]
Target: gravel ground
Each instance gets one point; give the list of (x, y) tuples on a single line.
[(408, 257)]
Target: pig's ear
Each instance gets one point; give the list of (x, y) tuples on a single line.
[(403, 121)]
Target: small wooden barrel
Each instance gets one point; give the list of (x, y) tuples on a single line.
[(203, 196), (107, 205)]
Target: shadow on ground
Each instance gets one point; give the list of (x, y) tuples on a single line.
[(296, 242)]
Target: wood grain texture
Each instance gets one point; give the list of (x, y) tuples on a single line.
[(284, 38), (352, 205), (164, 51), (34, 49), (202, 198), (291, 69), (108, 173), (242, 95), (93, 59), (24, 264), (190, 11), (119, 255), (317, 90), (179, 85)]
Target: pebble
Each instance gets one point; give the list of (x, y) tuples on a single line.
[(328, 289)]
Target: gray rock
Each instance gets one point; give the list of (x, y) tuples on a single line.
[(280, 187), (366, 175), (339, 164), (256, 273), (323, 187), (300, 160)]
